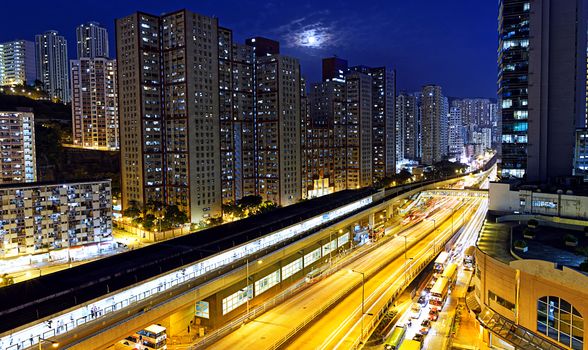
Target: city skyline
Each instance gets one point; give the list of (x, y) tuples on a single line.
[(425, 47)]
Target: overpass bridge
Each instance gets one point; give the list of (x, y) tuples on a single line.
[(94, 305)]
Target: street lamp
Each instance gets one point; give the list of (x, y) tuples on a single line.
[(362, 299), (434, 229), (247, 281), (405, 247), (54, 344)]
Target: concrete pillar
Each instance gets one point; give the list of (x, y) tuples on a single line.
[(179, 321), (390, 211), (371, 218)]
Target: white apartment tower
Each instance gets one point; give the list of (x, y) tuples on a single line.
[(17, 63), (92, 40), (52, 67)]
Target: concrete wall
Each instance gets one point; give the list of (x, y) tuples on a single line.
[(503, 200), (536, 279)]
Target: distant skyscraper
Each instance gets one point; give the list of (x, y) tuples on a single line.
[(169, 108), (557, 84), (94, 103), (17, 147), (92, 40), (17, 63), (407, 115), (433, 108), (52, 64), (454, 133)]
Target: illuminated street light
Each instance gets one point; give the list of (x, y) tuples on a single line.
[(54, 344)]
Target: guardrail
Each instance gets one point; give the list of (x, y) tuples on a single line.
[(435, 248), (411, 275)]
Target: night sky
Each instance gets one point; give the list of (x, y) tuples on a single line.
[(450, 43)]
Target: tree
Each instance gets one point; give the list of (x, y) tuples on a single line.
[(149, 222), (133, 210), (250, 201), (174, 216)]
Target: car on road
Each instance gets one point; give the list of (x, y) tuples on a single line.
[(423, 300), (416, 311), (424, 331), (426, 323), (433, 314), (418, 337)]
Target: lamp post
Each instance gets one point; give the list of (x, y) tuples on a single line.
[(247, 281), (434, 229), (405, 247), (362, 299), (54, 344)]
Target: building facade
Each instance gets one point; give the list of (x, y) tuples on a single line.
[(455, 133), (52, 65), (513, 94), (17, 63), (169, 95), (278, 123), (17, 147), (94, 103), (383, 120), (359, 162), (237, 122), (432, 111), (92, 40), (557, 82), (407, 115), (39, 217)]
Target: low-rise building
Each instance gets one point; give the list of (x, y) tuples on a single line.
[(40, 217)]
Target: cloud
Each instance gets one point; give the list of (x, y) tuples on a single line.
[(315, 31)]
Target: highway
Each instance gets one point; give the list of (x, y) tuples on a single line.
[(340, 326)]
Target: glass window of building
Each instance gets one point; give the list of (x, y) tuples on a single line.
[(560, 321)]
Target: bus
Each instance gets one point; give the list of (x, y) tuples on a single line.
[(450, 273), (394, 341), (153, 337), (411, 344), (441, 261), (439, 292)]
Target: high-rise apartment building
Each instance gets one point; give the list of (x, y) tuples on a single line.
[(94, 103), (17, 147), (326, 141), (455, 133), (92, 40), (557, 83), (52, 65), (334, 68), (168, 89), (236, 98), (17, 63), (433, 113), (359, 167), (383, 120), (407, 119), (278, 123)]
